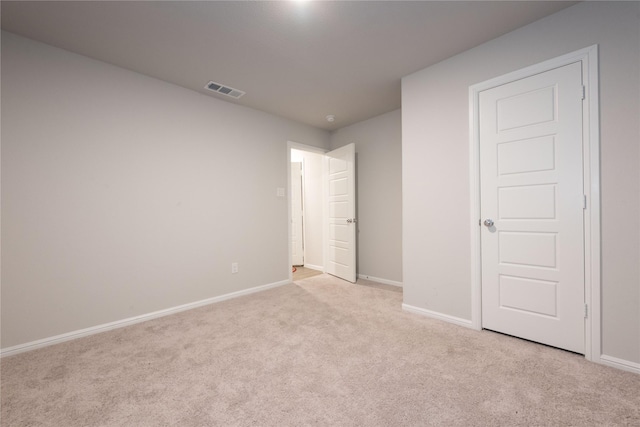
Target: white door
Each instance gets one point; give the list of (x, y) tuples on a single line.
[(531, 186), (297, 244), (341, 208)]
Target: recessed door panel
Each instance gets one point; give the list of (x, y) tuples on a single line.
[(340, 256), (339, 187), (527, 202), (339, 233), (337, 165), (526, 109), (528, 249), (339, 209), (531, 155), (528, 295)]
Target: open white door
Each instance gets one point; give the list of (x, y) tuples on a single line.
[(341, 208)]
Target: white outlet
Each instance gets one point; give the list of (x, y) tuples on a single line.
[(234, 267), (280, 192)]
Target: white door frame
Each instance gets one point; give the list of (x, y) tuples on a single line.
[(302, 147), (297, 210), (591, 169)]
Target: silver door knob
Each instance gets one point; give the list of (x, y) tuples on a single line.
[(488, 222)]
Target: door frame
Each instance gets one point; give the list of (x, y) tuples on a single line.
[(302, 210), (588, 57), (302, 147)]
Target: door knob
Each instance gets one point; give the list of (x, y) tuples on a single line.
[(488, 222)]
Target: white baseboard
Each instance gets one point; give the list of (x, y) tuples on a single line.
[(614, 362), (314, 267), (379, 280), (21, 348), (620, 363), (440, 316)]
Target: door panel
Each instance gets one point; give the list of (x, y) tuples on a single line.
[(341, 242), (529, 155), (527, 249), (526, 109), (529, 295), (527, 202), (531, 187)]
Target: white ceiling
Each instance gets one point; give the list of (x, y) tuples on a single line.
[(300, 60)]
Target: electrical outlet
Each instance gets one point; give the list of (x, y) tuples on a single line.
[(234, 267)]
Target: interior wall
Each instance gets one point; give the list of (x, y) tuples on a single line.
[(379, 193), (123, 195), (435, 150)]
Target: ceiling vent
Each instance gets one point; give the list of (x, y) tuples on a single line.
[(224, 90)]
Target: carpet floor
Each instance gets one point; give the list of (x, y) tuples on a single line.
[(316, 352)]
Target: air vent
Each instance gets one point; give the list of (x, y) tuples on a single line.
[(224, 90)]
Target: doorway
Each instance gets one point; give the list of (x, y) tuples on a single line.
[(306, 230), (329, 205), (535, 203)]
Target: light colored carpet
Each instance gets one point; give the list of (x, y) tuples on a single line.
[(318, 352)]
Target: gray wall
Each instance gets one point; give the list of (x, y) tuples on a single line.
[(379, 192), (123, 195), (435, 150)]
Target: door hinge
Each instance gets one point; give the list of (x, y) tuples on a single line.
[(586, 311), (584, 91), (584, 201)]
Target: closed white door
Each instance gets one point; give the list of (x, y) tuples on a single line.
[(532, 203), (297, 243), (341, 208)]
